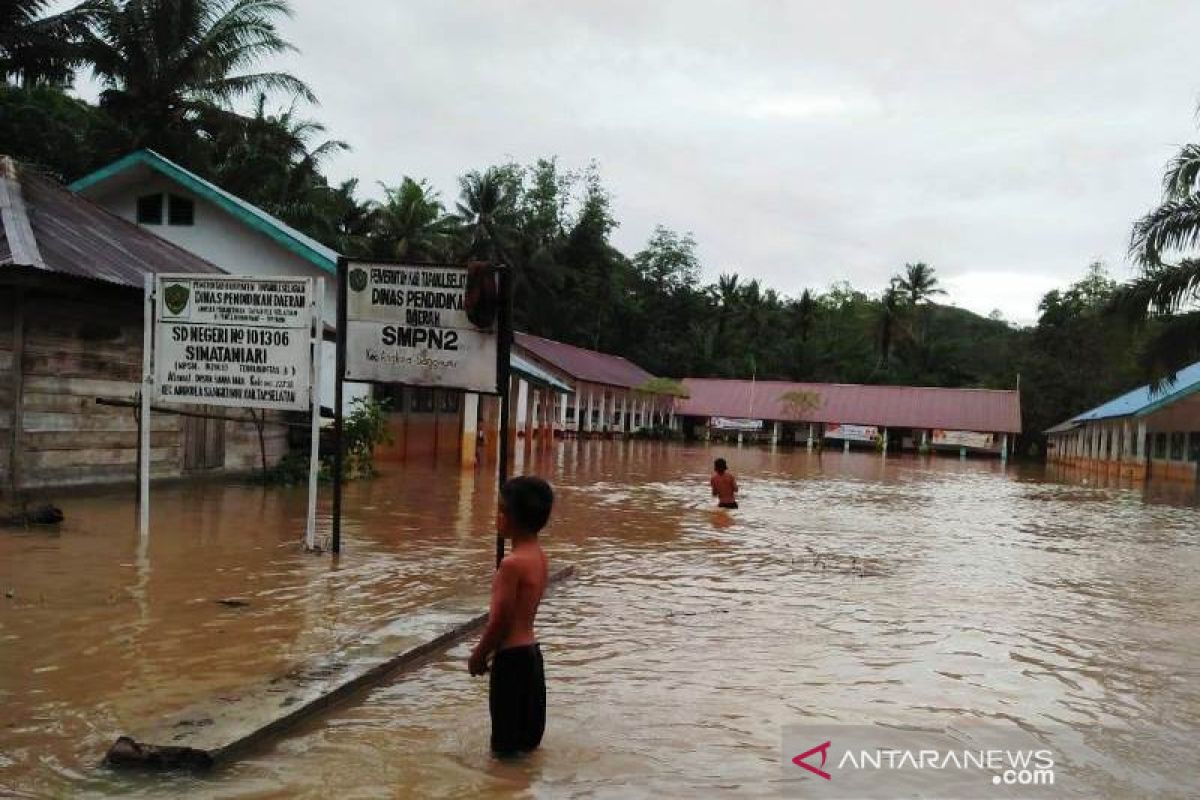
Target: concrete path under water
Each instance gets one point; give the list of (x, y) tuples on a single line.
[(220, 729)]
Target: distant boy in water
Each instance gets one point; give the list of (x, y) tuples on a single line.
[(724, 485), (517, 692)]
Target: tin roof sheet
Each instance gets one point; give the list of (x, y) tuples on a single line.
[(583, 364), (1144, 399), (46, 227), (988, 410)]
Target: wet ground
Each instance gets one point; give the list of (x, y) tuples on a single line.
[(847, 589)]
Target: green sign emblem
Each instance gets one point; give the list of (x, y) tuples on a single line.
[(358, 279), (176, 297)]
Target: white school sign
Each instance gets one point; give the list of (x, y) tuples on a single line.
[(407, 323), (234, 341)]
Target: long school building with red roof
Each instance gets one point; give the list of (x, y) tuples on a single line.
[(898, 417)]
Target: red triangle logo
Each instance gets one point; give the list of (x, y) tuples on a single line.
[(823, 749)]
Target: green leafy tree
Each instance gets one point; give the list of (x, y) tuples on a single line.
[(39, 48), (167, 63), (411, 223), (1166, 244)]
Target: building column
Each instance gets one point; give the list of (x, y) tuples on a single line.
[(1004, 449), (845, 445), (775, 433), (584, 413), (884, 442), (469, 442), (809, 444)]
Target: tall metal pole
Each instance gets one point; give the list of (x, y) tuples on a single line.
[(144, 416), (340, 369), (503, 350), (314, 445)]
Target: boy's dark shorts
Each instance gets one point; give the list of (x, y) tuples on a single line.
[(731, 504), (517, 700)]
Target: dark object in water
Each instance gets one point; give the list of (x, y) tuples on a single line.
[(234, 602), (39, 515), (125, 752)]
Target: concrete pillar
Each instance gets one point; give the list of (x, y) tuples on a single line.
[(468, 444), (845, 445), (810, 437), (884, 442), (962, 453), (563, 399), (1004, 448), (585, 417), (775, 433)]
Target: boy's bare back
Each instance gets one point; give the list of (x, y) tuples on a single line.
[(520, 583)]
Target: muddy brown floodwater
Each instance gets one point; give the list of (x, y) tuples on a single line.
[(847, 588)]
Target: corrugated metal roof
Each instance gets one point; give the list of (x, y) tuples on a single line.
[(1144, 400), (73, 236), (585, 365), (249, 214), (988, 410), (532, 372)]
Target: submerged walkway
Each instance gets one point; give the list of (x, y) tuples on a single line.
[(219, 730)]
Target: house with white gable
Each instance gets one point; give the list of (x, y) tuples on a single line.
[(238, 237)]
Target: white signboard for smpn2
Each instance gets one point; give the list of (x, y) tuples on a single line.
[(234, 341), (407, 323)]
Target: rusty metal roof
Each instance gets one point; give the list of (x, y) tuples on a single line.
[(46, 227), (987, 410), (585, 365)]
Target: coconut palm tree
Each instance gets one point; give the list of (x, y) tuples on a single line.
[(165, 63), (412, 223), (918, 283), (1166, 244), (38, 49), (487, 210), (269, 160)]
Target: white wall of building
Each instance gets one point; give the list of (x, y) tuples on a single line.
[(222, 239)]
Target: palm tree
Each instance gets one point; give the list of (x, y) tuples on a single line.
[(268, 160), (487, 210), (38, 49), (889, 312), (918, 282), (1166, 244), (165, 63), (412, 223)]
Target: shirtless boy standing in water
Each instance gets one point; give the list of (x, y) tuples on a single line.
[(724, 485), (517, 691)]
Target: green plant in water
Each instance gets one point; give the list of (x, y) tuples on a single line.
[(364, 429)]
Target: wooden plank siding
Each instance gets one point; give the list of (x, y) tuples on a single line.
[(78, 345)]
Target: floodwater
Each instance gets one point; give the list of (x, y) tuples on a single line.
[(847, 589)]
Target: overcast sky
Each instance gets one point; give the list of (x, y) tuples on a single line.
[(1008, 144)]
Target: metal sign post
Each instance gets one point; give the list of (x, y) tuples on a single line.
[(338, 421), (314, 448), (503, 378), (144, 416)]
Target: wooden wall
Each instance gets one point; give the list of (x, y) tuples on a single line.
[(83, 340)]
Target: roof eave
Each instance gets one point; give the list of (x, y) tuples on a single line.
[(164, 167)]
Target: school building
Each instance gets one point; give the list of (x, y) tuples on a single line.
[(71, 310), (889, 418), (1144, 433)]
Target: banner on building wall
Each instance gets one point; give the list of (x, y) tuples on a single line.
[(735, 424), (408, 323), (964, 439), (233, 341), (855, 433)]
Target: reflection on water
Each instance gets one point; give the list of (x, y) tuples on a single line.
[(847, 588)]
